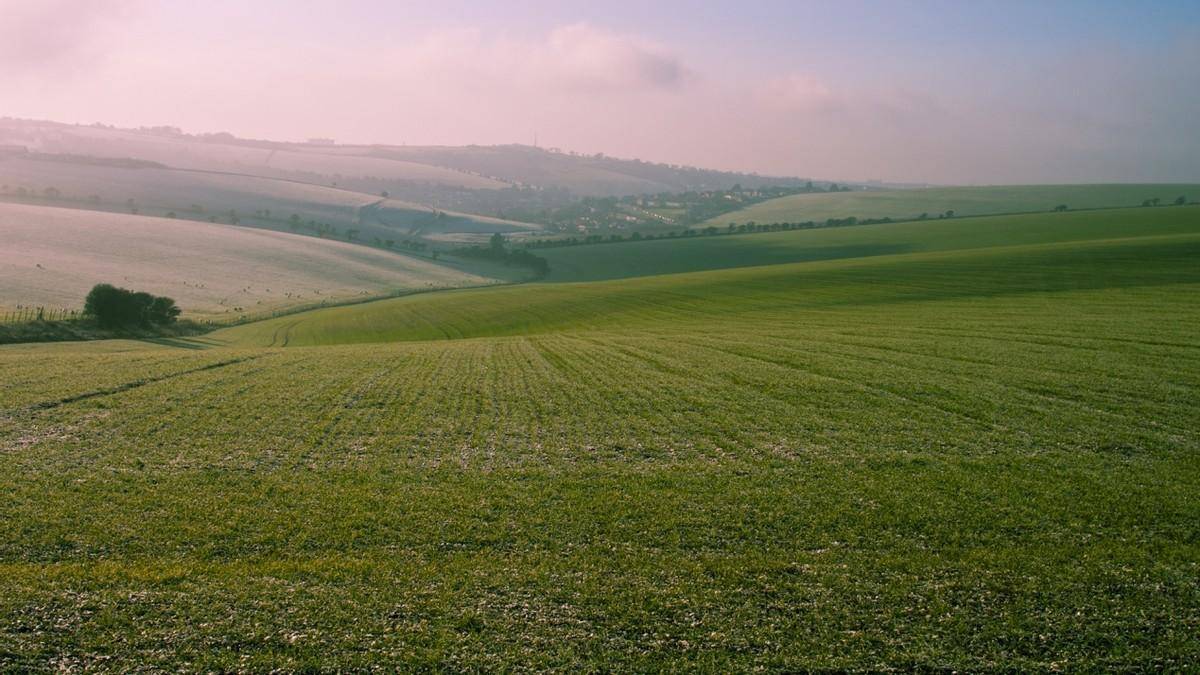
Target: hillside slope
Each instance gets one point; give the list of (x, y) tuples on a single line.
[(53, 257)]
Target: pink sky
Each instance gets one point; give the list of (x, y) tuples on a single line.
[(850, 90)]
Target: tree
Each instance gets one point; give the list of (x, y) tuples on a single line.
[(104, 303), (497, 243), (1060, 208), (114, 307), (162, 311), (1180, 200)]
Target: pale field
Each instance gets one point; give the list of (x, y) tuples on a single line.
[(51, 257)]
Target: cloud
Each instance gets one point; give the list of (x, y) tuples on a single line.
[(581, 54), (37, 36), (572, 57), (799, 92)]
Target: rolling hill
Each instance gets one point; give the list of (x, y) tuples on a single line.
[(53, 257), (905, 263), (964, 201)]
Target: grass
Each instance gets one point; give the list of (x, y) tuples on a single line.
[(969, 459), (964, 201), (629, 259), (54, 256)]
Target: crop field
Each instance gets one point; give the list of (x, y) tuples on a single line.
[(972, 456), (964, 201), (669, 256), (54, 256)]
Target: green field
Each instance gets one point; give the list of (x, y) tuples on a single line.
[(669, 256), (964, 201), (968, 445)]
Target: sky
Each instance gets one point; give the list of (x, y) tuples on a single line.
[(901, 91)]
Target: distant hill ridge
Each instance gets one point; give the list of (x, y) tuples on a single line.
[(470, 167)]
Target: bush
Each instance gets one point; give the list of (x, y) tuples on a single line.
[(496, 251), (114, 307)]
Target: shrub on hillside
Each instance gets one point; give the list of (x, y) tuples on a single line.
[(114, 307), (496, 251)]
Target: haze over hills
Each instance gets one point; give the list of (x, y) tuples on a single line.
[(382, 192), (379, 166), (101, 183)]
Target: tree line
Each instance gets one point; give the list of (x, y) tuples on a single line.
[(497, 250), (711, 231)]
